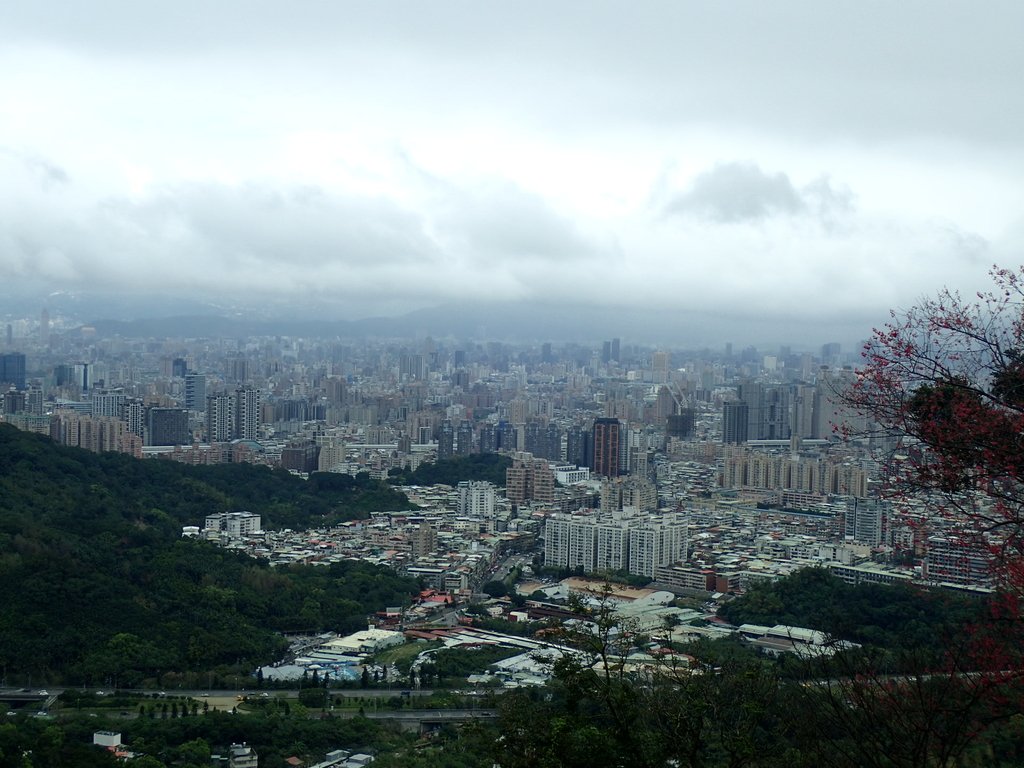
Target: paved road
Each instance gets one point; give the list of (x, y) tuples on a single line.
[(434, 715), (220, 694)]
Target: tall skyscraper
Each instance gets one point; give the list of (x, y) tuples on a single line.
[(464, 438), (577, 446), (488, 438), (605, 439), (219, 415), (335, 387), (134, 416), (769, 410), (735, 418), (167, 426), (659, 367), (81, 376), (247, 413), (552, 443), (446, 440), (34, 400), (12, 370), (195, 391), (236, 369), (508, 437)]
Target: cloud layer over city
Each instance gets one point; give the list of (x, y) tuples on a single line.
[(796, 160)]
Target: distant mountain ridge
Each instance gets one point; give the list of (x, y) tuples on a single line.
[(480, 317), (513, 323)]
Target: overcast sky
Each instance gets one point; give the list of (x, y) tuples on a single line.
[(806, 159)]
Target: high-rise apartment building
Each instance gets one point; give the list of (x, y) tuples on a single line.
[(863, 521), (236, 369), (529, 479), (577, 446), (570, 542), (464, 438), (957, 559), (134, 416), (34, 400), (735, 420), (638, 544), (219, 416), (94, 433), (446, 440), (108, 402), (246, 422), (335, 388), (13, 401), (606, 438), (657, 543), (488, 438), (611, 550)]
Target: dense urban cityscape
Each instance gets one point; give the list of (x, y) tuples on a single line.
[(702, 469), (511, 385)]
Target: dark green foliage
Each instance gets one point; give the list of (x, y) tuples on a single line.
[(521, 628), (313, 697), (888, 616), (267, 731), (455, 664), (495, 588), (100, 588), (34, 743), (597, 715), (478, 466), (469, 746)]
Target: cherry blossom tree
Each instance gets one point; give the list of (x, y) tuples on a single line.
[(943, 387)]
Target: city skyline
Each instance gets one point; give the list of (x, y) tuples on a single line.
[(795, 170)]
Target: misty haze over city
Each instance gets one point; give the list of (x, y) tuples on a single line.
[(668, 172)]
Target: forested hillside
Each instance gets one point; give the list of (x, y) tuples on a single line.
[(98, 584), (482, 466), (885, 616)]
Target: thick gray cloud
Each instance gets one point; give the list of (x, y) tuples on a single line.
[(738, 192), (802, 67), (741, 191), (806, 158)]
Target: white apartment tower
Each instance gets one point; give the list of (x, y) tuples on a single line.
[(476, 499), (247, 413), (219, 414), (656, 543)]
